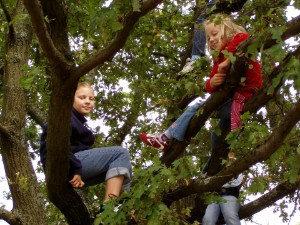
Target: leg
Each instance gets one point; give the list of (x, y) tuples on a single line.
[(178, 128), (230, 210), (212, 213), (224, 124), (102, 164), (236, 109), (113, 187), (199, 40)]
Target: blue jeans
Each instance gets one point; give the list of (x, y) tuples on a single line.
[(179, 127), (101, 164), (229, 209), (199, 40)]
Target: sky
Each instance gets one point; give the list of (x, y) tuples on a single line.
[(264, 217)]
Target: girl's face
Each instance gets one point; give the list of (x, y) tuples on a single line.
[(214, 36), (84, 100)]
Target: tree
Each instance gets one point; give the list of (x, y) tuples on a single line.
[(143, 43), (18, 167)]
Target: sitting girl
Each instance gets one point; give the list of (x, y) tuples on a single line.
[(90, 166)]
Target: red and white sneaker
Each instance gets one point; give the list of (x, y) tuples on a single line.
[(154, 141)]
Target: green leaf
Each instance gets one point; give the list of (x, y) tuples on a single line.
[(229, 56), (277, 32), (136, 5), (115, 25)]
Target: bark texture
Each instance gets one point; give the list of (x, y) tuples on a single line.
[(28, 204)]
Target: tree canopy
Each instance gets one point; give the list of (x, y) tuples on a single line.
[(131, 52)]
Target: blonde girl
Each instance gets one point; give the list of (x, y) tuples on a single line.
[(223, 36)]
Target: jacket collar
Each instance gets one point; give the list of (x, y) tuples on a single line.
[(79, 116)]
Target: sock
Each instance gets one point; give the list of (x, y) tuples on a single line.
[(166, 136), (195, 57)]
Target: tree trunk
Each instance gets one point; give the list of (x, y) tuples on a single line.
[(28, 202)]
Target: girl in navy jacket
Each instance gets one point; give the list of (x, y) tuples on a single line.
[(90, 166)]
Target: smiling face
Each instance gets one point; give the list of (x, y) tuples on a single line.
[(84, 100), (215, 38)]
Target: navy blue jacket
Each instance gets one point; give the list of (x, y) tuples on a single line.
[(81, 139)]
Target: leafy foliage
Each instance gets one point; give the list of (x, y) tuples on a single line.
[(139, 90)]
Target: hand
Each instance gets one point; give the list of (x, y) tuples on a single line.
[(217, 80), (224, 66), (76, 182)]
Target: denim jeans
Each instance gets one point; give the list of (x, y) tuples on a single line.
[(179, 127), (101, 164), (229, 209), (224, 114), (199, 40)]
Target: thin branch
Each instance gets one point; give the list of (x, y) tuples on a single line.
[(35, 11), (268, 199), (38, 116), (118, 42), (131, 118), (9, 20), (9, 217)]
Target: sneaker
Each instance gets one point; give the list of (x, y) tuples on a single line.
[(188, 66), (154, 141)]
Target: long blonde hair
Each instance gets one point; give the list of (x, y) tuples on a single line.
[(228, 28)]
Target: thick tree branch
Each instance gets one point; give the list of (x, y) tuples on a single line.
[(37, 17), (4, 131), (9, 217), (259, 154), (280, 191), (118, 42), (39, 117), (257, 101), (218, 98), (293, 28), (268, 199), (262, 96)]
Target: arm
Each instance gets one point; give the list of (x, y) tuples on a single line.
[(234, 182), (75, 171), (219, 71), (76, 181), (75, 165), (236, 40), (216, 78), (224, 66)]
